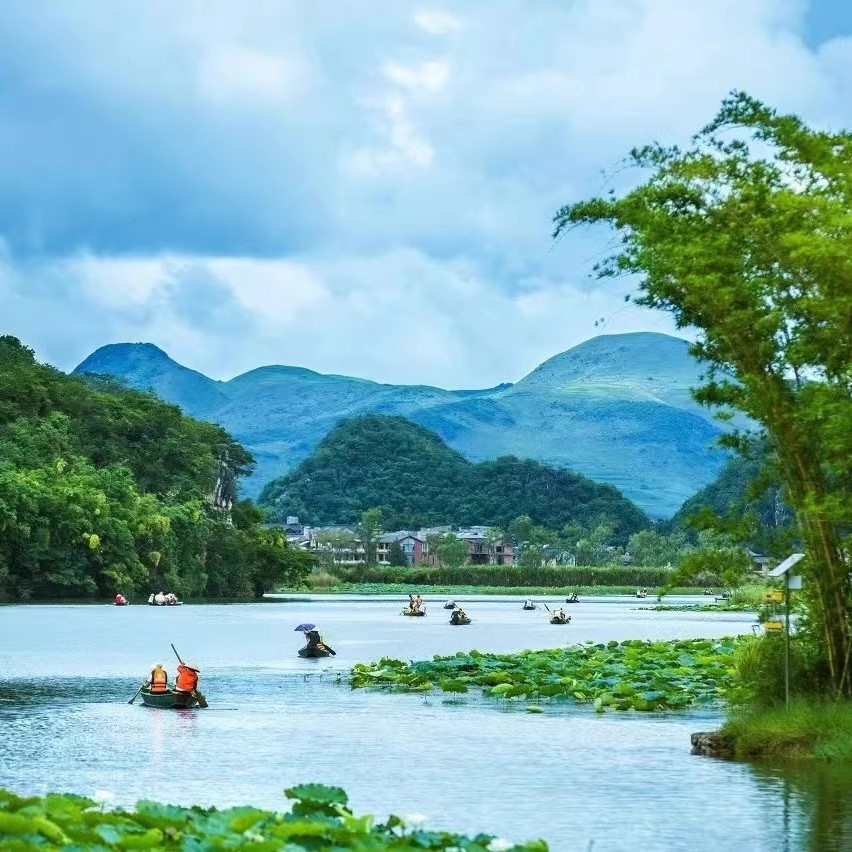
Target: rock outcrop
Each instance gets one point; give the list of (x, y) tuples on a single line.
[(712, 744)]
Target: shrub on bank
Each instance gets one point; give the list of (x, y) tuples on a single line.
[(808, 729), (320, 819)]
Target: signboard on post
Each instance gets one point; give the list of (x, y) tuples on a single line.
[(783, 570)]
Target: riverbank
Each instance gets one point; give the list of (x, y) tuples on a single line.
[(320, 816), (808, 730)]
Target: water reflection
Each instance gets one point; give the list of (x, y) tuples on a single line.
[(814, 806)]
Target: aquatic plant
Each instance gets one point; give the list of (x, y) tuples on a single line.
[(632, 675), (319, 819)]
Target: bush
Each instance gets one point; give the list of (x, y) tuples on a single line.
[(321, 579), (760, 666)]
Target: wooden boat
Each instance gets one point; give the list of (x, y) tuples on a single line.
[(450, 605), (532, 606), (557, 620), (166, 605), (640, 595), (464, 620), (314, 652), (170, 700), (414, 612), (572, 600)]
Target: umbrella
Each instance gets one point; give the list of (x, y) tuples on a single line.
[(304, 628)]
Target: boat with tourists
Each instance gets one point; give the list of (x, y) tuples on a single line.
[(450, 605), (460, 617), (413, 612), (163, 599), (171, 700), (309, 653), (528, 604)]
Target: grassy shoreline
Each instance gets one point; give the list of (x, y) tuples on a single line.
[(459, 590), (809, 730)]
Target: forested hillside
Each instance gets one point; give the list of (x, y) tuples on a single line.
[(104, 489), (747, 492), (416, 479)]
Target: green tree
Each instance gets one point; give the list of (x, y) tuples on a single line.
[(746, 237), (449, 549), (714, 556), (655, 549), (396, 555), (371, 521)]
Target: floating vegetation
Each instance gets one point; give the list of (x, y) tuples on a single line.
[(719, 607), (319, 819), (632, 675)]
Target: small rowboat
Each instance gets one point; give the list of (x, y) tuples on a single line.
[(464, 620), (450, 605), (170, 700), (532, 606), (414, 612), (557, 620), (166, 605), (314, 652)]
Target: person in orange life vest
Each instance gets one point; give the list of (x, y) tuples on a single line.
[(187, 678), (159, 679)]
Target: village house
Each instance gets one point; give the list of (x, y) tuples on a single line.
[(414, 547), (483, 549)]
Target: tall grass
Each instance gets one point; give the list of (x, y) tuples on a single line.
[(808, 729), (502, 575), (321, 579)]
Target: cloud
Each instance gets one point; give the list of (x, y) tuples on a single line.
[(397, 317), (437, 22), (363, 187)]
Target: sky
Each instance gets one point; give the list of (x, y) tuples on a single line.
[(356, 186)]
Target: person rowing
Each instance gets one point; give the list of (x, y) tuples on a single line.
[(315, 646), (187, 678), (459, 616)]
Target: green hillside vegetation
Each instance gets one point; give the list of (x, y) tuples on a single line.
[(746, 501), (103, 489), (417, 480)]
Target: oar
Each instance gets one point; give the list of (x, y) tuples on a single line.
[(136, 695), (196, 694)]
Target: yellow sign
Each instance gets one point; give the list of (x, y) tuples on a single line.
[(775, 596), (773, 625)]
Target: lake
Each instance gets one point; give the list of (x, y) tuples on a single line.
[(569, 775)]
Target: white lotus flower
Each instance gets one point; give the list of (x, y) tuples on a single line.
[(103, 797), (498, 844)]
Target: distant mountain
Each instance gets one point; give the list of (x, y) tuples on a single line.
[(615, 408), (417, 480)]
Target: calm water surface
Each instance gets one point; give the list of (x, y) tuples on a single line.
[(571, 776)]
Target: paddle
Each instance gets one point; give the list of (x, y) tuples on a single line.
[(196, 694), (136, 694)]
